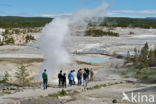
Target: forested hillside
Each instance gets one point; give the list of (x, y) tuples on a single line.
[(127, 22), (13, 21)]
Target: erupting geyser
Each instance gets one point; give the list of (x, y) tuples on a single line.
[(52, 44), (54, 34)]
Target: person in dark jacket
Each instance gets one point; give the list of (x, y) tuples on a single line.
[(87, 71), (79, 76), (64, 80), (60, 78), (85, 79), (45, 79)]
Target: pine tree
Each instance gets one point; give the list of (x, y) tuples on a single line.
[(144, 56), (22, 75), (151, 57), (6, 77), (136, 58), (155, 56), (155, 53), (128, 57), (146, 46)]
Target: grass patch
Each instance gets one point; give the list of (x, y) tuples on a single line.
[(146, 74), (97, 87), (54, 95), (62, 93), (129, 72), (7, 92)]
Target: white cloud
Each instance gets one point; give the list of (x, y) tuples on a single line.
[(56, 15), (117, 13), (133, 13)]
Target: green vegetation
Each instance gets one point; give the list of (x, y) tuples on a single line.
[(126, 22), (143, 58), (143, 63), (98, 33), (7, 92), (146, 74), (6, 38), (6, 78), (23, 22), (22, 75), (9, 40), (62, 93), (30, 22), (29, 38), (97, 86), (10, 34)]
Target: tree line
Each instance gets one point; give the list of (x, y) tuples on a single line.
[(143, 58), (98, 33), (125, 22), (23, 22)]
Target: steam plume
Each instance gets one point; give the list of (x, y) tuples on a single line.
[(54, 36)]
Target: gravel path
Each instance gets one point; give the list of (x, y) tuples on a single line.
[(33, 93)]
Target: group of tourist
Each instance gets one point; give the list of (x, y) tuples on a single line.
[(81, 77)]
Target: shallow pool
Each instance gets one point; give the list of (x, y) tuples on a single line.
[(1, 76), (96, 60)]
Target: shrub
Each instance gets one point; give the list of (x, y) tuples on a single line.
[(22, 75), (29, 38), (98, 33), (9, 41), (63, 92), (6, 77)]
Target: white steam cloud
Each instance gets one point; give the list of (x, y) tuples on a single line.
[(54, 35)]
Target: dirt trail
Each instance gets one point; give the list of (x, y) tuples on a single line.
[(33, 93), (106, 95)]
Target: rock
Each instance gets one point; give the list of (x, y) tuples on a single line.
[(13, 88), (114, 101), (4, 88)]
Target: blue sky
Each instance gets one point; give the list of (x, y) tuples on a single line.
[(126, 8)]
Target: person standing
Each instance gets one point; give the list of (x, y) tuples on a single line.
[(79, 76), (45, 79), (85, 79), (71, 78), (87, 71), (64, 81), (91, 75), (74, 75), (60, 78)]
